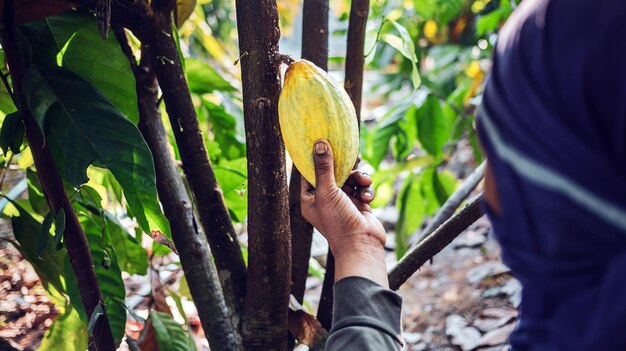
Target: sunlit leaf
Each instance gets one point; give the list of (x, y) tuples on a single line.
[(87, 128), (72, 39)]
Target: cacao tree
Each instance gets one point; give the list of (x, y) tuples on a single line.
[(147, 131)]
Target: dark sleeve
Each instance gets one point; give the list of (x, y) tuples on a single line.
[(366, 316)]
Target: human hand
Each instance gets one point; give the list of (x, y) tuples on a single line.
[(356, 237)]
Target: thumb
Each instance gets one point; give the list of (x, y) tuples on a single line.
[(324, 170)]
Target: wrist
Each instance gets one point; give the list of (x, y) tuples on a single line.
[(362, 257)]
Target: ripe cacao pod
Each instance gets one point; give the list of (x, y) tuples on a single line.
[(314, 106)]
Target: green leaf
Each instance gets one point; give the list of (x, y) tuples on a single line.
[(169, 334), (203, 78), (89, 129), (440, 10), (7, 105), (44, 235), (489, 22), (109, 275), (67, 332), (59, 221), (50, 264), (12, 133), (35, 193), (404, 44), (224, 128), (233, 179), (436, 187), (72, 39), (434, 125), (410, 204), (131, 256)]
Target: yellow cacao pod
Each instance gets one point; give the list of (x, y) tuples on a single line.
[(314, 106)]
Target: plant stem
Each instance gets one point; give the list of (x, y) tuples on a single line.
[(75, 240), (212, 210), (269, 254), (434, 243), (355, 61), (314, 49), (193, 250)]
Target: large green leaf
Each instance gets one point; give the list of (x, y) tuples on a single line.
[(131, 256), (67, 333), (87, 128), (109, 276), (72, 39), (434, 125), (436, 187), (203, 78), (169, 334)]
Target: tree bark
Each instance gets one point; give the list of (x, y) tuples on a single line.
[(314, 49), (52, 184), (355, 61), (212, 210), (193, 250), (269, 255), (434, 243), (355, 56)]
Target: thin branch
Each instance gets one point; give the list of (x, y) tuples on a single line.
[(355, 61), (214, 217), (314, 49), (453, 202), (52, 184), (434, 243), (193, 250)]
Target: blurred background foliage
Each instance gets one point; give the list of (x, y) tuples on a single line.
[(425, 67)]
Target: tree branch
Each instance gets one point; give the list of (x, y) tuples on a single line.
[(314, 49), (355, 60), (212, 210), (269, 255), (434, 243), (195, 257), (355, 56), (52, 184)]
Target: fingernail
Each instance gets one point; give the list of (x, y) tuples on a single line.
[(365, 174), (367, 194), (321, 148)]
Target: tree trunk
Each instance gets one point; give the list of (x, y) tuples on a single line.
[(52, 184), (314, 49), (269, 255), (355, 60), (212, 210), (194, 254)]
